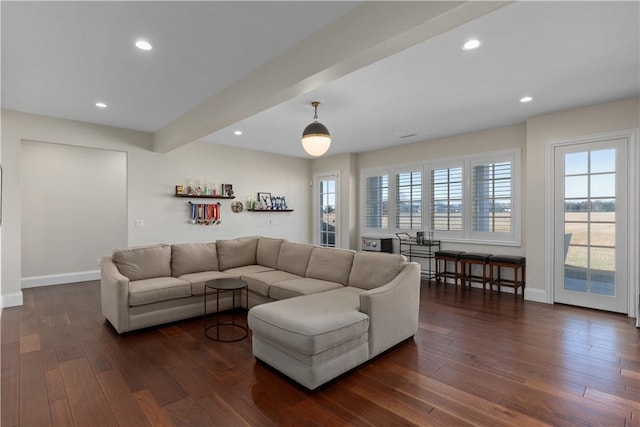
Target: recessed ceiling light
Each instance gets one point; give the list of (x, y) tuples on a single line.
[(471, 44), (238, 132), (144, 45), (525, 99), (101, 105)]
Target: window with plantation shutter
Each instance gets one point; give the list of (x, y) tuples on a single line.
[(446, 199), (492, 204), (409, 200), (376, 203), (474, 198)]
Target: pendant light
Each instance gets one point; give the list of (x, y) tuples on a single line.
[(315, 137)]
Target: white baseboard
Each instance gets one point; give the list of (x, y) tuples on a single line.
[(537, 295), (57, 279), (11, 300)]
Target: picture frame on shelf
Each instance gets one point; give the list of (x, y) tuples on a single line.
[(227, 190), (265, 199)]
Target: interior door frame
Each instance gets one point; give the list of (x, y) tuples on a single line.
[(631, 135)]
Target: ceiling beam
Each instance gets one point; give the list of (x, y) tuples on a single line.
[(369, 33)]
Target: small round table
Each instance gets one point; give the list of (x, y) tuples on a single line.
[(224, 285)]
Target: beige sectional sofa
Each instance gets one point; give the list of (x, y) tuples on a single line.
[(328, 309)]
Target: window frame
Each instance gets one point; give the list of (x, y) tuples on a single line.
[(513, 236), (466, 235), (450, 234), (394, 211), (364, 175)]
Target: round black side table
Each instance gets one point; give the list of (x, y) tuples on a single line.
[(225, 285)]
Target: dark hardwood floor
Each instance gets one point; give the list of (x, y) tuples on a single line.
[(477, 360)]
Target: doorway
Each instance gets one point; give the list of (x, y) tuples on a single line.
[(591, 223), (326, 218)]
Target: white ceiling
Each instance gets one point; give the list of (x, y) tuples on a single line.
[(58, 59)]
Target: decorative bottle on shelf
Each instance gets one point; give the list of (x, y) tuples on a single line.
[(189, 188), (215, 189), (207, 190)]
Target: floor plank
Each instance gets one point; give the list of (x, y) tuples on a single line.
[(87, 401), (122, 403), (34, 402)]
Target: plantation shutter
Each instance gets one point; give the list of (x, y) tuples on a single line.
[(446, 199), (492, 198)]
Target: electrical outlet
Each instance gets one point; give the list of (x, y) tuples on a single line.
[(99, 261), (139, 222)]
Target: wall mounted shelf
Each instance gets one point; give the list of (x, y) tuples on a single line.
[(210, 196), (270, 210)]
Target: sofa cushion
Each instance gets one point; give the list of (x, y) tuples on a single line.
[(330, 264), (260, 282), (193, 257), (197, 280), (236, 252), (303, 286), (248, 269), (294, 257), (267, 251), (144, 262), (311, 324), (157, 289), (372, 269)]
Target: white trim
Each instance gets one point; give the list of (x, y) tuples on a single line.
[(11, 300), (364, 174), (57, 279), (514, 157), (549, 219), (634, 223), (393, 216), (537, 295), (633, 140), (446, 235)]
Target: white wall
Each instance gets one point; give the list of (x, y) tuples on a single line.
[(461, 145), (74, 209), (166, 217), (599, 118), (151, 181)]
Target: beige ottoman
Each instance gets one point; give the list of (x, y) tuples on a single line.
[(314, 338)]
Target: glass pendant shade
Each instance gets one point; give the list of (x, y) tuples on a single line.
[(315, 137)]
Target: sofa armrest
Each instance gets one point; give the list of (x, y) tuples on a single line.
[(393, 309), (114, 295)]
